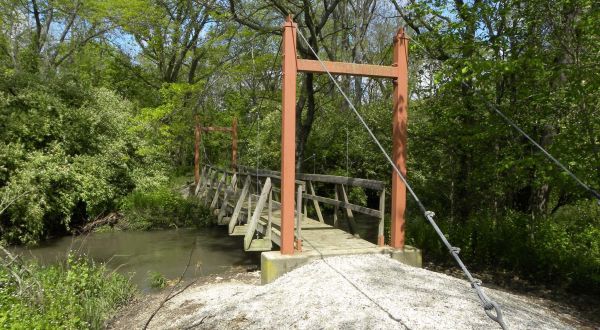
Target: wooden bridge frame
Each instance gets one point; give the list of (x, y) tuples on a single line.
[(398, 71), (239, 199), (198, 138)]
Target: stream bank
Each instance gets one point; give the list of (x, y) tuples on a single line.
[(140, 254)]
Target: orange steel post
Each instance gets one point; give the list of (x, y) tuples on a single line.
[(288, 136), (197, 151), (234, 144), (399, 137)]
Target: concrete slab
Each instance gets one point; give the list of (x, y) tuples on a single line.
[(274, 264), (410, 256)]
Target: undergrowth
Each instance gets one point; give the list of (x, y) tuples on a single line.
[(162, 207), (561, 250), (77, 294)]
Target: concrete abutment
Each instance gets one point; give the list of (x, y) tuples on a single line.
[(273, 264)]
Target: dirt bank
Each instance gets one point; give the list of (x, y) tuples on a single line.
[(352, 292)]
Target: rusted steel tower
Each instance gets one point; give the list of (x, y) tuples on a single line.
[(198, 139)]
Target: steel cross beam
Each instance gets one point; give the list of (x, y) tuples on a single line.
[(198, 138), (398, 71)]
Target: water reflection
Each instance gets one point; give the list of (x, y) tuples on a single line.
[(166, 251)]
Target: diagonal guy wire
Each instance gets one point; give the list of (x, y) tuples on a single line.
[(487, 303)]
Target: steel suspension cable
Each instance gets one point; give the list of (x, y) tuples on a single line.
[(487, 303)]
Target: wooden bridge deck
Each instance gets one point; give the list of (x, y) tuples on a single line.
[(316, 236)]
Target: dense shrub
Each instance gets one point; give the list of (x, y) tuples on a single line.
[(161, 207), (68, 154), (568, 246), (562, 249), (65, 154), (75, 295)]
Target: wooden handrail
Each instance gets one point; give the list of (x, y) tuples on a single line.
[(334, 179)]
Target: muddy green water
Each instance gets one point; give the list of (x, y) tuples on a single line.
[(138, 253), (167, 252)]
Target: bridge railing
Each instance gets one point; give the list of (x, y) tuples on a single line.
[(217, 186), (340, 201)]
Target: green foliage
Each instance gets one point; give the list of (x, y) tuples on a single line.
[(157, 280), (75, 295), (568, 246), (562, 249), (162, 207), (69, 158)]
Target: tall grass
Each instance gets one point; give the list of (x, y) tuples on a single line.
[(77, 294)]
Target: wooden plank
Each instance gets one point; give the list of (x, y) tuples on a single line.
[(221, 183), (262, 227), (334, 179), (325, 239), (355, 182), (238, 231), (299, 218), (315, 202), (200, 181), (338, 204), (270, 215), (228, 193), (209, 184), (352, 69), (251, 226), (380, 229), (204, 180), (335, 202), (260, 245), (238, 205), (349, 215)]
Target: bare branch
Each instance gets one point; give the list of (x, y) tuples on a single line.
[(249, 23)]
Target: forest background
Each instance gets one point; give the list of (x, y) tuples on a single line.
[(98, 100)]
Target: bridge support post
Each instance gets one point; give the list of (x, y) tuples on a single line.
[(288, 136), (197, 151), (399, 138)]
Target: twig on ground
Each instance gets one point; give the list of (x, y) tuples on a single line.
[(171, 295)]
